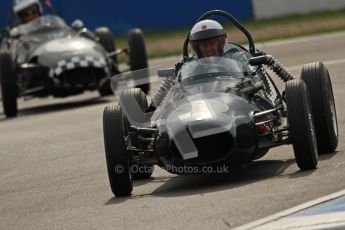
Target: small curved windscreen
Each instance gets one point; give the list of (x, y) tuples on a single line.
[(211, 74), (41, 23), (210, 67), (44, 29)]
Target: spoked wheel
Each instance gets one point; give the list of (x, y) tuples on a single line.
[(137, 54), (117, 156), (8, 84), (140, 170), (301, 125), (317, 79)]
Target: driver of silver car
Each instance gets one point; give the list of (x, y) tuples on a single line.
[(27, 10)]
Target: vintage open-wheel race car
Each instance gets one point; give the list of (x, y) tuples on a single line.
[(48, 57), (215, 111)]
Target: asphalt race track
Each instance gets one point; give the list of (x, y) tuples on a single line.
[(53, 172)]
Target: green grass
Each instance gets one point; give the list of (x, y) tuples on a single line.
[(154, 36)]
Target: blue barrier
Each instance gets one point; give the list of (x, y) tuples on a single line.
[(4, 9), (120, 16)]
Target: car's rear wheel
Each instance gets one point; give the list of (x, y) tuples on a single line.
[(317, 79), (140, 170), (9, 88), (301, 125), (137, 54), (117, 156)]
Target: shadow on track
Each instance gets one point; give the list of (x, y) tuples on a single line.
[(185, 185), (62, 106), (327, 156), (192, 184), (58, 106)]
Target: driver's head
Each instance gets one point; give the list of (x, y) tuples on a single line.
[(208, 38), (27, 10)]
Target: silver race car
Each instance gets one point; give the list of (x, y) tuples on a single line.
[(47, 57)]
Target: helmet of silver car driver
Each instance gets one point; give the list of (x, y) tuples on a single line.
[(19, 7), (207, 29)]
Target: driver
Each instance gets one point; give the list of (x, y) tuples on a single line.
[(27, 10), (208, 39)]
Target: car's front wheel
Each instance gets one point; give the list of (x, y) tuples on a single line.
[(9, 88), (301, 124), (106, 39), (117, 156)]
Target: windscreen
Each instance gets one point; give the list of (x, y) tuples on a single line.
[(211, 74), (43, 29)]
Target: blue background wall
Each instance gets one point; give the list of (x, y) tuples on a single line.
[(120, 16), (4, 7)]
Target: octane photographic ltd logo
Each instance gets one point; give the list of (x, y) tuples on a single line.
[(220, 169)]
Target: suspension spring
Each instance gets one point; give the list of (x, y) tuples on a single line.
[(262, 74), (162, 91), (279, 69)]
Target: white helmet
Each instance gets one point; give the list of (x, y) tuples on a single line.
[(20, 5), (207, 29)]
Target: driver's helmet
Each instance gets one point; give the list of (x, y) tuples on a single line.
[(27, 10), (204, 31)]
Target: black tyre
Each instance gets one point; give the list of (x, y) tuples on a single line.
[(104, 88), (316, 77), (106, 39), (117, 156), (9, 88), (140, 171), (301, 125), (137, 54)]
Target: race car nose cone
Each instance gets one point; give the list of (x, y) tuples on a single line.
[(67, 45), (53, 52), (200, 124)]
